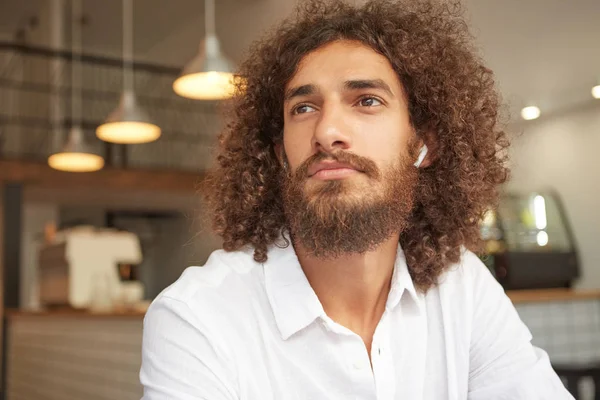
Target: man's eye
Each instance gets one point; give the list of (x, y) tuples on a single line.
[(302, 109), (369, 102)]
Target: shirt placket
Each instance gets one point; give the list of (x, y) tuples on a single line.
[(382, 360), (412, 354), (358, 367)]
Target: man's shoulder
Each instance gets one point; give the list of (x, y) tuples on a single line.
[(467, 271), (466, 276), (465, 286), (224, 275)]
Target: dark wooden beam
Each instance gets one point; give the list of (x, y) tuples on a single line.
[(12, 209), (37, 173), (11, 216), (2, 311)]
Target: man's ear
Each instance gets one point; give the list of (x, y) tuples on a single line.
[(429, 138)]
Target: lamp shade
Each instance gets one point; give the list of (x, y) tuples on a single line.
[(128, 123), (76, 156), (208, 76)]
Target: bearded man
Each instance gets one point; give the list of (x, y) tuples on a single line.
[(362, 151)]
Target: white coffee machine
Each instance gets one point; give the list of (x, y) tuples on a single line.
[(90, 268)]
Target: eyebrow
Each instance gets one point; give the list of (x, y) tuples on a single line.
[(357, 84), (368, 84), (304, 90)]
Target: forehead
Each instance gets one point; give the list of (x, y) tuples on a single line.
[(343, 60)]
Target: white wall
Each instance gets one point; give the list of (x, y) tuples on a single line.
[(563, 152)]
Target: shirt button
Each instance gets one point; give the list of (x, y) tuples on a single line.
[(358, 365)]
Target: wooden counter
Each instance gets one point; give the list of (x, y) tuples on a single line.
[(546, 295), (66, 354), (71, 313), (517, 297)]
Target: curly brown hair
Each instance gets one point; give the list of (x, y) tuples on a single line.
[(451, 96)]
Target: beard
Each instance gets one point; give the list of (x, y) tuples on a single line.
[(333, 218)]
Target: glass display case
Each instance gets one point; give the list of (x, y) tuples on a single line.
[(529, 243)]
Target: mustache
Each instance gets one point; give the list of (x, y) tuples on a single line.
[(363, 164)]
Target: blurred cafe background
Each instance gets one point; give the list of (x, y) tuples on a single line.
[(109, 111)]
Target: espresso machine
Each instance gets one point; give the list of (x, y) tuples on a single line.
[(90, 268)]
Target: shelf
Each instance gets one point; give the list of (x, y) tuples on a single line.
[(79, 314), (547, 295), (40, 174)]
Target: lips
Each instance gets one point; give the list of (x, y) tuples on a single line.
[(329, 165), (337, 165)]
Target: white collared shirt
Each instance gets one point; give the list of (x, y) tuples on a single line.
[(237, 329)]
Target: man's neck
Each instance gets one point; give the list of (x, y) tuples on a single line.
[(353, 289)]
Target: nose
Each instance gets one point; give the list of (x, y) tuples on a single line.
[(331, 131)]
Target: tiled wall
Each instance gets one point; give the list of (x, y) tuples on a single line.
[(569, 331)]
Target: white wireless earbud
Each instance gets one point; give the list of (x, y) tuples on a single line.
[(422, 154)]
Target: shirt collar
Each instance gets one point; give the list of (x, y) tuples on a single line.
[(295, 304), (402, 283)]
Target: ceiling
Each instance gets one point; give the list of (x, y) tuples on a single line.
[(14, 14), (544, 52), (103, 31)]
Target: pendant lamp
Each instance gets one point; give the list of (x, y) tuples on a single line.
[(76, 155), (209, 75), (128, 123)]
